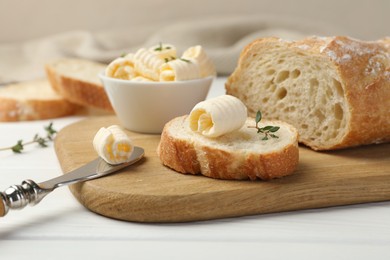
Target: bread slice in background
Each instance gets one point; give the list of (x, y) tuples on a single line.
[(33, 100), (77, 80), (334, 90), (241, 154)]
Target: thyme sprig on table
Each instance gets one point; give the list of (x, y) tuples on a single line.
[(41, 141), (268, 130)]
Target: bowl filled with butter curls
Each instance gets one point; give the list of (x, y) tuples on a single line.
[(153, 85)]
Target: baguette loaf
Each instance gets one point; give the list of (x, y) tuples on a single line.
[(33, 100), (334, 90), (237, 155), (77, 80)]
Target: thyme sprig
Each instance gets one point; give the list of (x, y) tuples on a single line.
[(169, 59), (173, 58), (41, 141), (268, 130), (161, 47)]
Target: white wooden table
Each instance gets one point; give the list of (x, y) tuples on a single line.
[(60, 228)]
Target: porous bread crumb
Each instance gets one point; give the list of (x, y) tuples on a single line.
[(332, 90)]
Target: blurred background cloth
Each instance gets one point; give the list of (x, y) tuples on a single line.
[(37, 32)]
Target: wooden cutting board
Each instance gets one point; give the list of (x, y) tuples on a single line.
[(150, 192)]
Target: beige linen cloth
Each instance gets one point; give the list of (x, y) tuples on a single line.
[(223, 38)]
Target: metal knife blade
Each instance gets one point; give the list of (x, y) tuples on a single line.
[(29, 192), (94, 169)]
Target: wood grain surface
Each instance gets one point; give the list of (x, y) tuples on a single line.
[(150, 192), (2, 207)]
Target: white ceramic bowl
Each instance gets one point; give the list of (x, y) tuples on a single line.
[(147, 106)]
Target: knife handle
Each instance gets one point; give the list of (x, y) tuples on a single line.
[(19, 196)]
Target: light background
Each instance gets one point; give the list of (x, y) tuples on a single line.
[(23, 20)]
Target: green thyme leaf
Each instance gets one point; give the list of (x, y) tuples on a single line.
[(266, 130), (169, 59), (50, 131), (160, 47), (185, 60), (18, 147), (41, 141), (258, 117)]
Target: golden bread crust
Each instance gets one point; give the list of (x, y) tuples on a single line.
[(191, 156), (177, 154), (27, 109), (78, 91)]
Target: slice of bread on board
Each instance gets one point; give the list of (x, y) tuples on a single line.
[(241, 154), (33, 100), (334, 90), (77, 80)]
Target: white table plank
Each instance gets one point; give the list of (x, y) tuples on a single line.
[(81, 249)]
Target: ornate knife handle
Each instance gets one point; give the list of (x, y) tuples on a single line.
[(19, 196)]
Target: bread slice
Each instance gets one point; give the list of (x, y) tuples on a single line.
[(335, 90), (77, 80), (241, 154), (33, 100)]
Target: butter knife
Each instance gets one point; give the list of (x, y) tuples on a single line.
[(31, 193)]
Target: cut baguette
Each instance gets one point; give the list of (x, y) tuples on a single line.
[(33, 100), (237, 155), (335, 91), (77, 80)]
